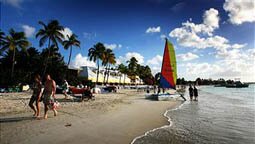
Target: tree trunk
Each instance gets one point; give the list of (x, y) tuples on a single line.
[(120, 78), (108, 73), (46, 61), (13, 63), (105, 73), (97, 71), (70, 55), (124, 78)]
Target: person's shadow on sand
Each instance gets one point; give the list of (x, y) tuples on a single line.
[(15, 119)]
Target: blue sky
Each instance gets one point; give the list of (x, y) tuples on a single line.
[(216, 41)]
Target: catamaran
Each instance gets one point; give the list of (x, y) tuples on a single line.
[(168, 75)]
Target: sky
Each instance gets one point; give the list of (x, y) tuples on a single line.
[(212, 38)]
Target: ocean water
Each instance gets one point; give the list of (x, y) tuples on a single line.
[(221, 116)]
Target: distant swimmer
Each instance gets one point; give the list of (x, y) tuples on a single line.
[(195, 93), (191, 92)]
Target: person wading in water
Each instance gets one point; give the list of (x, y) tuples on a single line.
[(195, 94), (191, 92)]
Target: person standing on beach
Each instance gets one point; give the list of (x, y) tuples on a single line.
[(65, 88), (191, 92), (37, 89), (158, 89), (195, 93), (49, 95)]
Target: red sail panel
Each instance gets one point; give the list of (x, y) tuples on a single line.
[(167, 80)]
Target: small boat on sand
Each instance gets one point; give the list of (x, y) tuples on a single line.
[(168, 75)]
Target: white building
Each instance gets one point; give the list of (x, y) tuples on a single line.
[(114, 77)]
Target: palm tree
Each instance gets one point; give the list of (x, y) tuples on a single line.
[(96, 54), (123, 69), (14, 41), (51, 33), (72, 41), (107, 60), (132, 67), (111, 60), (2, 39)]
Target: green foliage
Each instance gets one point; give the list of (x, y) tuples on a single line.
[(95, 54), (72, 41), (30, 63), (132, 67), (135, 69), (181, 81), (52, 33), (13, 42), (108, 59)]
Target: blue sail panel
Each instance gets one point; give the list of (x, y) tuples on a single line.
[(165, 84)]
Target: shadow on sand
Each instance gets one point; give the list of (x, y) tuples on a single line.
[(75, 99), (15, 119)]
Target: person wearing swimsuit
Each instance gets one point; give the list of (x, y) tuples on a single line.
[(49, 95), (195, 93), (36, 96), (191, 92)]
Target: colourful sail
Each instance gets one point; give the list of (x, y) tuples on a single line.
[(169, 67)]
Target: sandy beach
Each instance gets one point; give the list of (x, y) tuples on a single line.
[(112, 118)]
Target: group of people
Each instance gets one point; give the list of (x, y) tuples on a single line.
[(47, 95), (193, 92)]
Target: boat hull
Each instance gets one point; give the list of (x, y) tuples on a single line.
[(237, 86), (162, 97)]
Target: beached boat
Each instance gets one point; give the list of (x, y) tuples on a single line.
[(168, 75), (163, 96)]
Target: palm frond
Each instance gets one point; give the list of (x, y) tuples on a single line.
[(43, 40)]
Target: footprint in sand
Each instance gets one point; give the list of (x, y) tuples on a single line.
[(68, 125)]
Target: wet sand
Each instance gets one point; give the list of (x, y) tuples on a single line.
[(112, 118)]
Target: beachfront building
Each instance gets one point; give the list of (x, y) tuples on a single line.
[(115, 76)]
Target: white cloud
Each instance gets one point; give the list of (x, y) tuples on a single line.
[(238, 46), (240, 11), (112, 46), (157, 60), (201, 69), (67, 32), (128, 56), (80, 60), (28, 30), (153, 29), (187, 57), (14, 3), (210, 23), (189, 34), (163, 36), (155, 64), (233, 64), (211, 18), (155, 69), (89, 36)]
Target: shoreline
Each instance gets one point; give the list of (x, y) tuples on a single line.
[(111, 118), (164, 126)]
